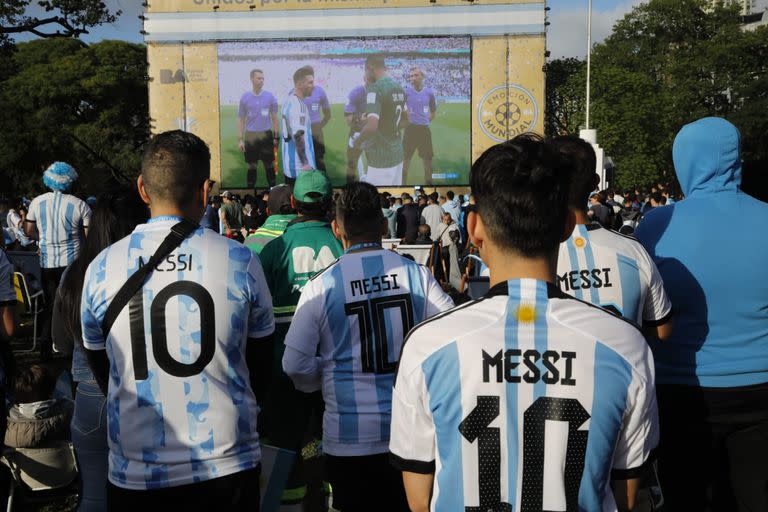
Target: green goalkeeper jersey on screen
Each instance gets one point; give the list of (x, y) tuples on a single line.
[(385, 99)]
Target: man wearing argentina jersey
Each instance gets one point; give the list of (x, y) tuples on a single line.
[(526, 399), (345, 339), (59, 221), (603, 267), (296, 127), (181, 363)]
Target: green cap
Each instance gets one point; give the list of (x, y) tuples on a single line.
[(309, 182)]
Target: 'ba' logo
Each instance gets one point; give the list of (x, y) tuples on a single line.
[(507, 111)]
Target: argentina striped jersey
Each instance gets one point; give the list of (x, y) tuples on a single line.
[(613, 271), (357, 312), (525, 400), (180, 408), (294, 118), (61, 220)]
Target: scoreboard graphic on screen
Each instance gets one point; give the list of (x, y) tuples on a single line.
[(457, 77)]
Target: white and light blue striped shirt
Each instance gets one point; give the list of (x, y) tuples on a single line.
[(527, 399), (61, 221), (355, 314), (294, 118), (180, 408)]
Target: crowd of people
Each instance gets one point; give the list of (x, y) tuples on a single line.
[(600, 372)]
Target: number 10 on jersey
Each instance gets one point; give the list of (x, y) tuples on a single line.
[(374, 340)]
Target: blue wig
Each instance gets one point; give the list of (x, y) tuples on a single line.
[(59, 176)]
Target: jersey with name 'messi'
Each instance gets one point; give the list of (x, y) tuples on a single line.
[(524, 400), (385, 99), (612, 271), (180, 408), (358, 311)]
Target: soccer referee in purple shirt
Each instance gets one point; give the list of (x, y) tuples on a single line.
[(421, 105), (257, 129)]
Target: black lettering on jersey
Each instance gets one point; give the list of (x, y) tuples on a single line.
[(568, 380), (172, 263), (492, 362), (504, 366), (553, 374), (374, 284), (529, 359), (584, 279)]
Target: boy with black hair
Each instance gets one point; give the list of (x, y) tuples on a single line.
[(183, 361), (601, 266), (346, 338), (526, 399)]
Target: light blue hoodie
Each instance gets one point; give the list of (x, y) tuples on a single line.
[(712, 252)]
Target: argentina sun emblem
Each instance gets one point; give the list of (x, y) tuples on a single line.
[(507, 111)]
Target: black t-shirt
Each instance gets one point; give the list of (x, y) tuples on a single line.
[(408, 218)]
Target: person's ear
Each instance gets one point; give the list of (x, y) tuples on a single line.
[(206, 189), (335, 227), (143, 190), (570, 225), (384, 228), (293, 202), (476, 229)]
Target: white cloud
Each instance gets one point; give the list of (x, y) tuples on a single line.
[(567, 34)]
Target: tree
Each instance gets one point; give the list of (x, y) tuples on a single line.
[(67, 18), (566, 79), (666, 64), (87, 105)]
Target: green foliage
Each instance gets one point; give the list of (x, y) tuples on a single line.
[(64, 18), (666, 64), (63, 100), (565, 88)]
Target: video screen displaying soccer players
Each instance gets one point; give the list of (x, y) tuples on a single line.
[(392, 112)]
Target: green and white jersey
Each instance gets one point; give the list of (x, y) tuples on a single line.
[(385, 99), (304, 249)]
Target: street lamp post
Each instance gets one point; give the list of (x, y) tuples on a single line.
[(589, 58)]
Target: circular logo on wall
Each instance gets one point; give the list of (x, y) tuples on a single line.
[(507, 111)]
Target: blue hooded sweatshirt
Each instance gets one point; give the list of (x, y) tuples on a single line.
[(712, 252)]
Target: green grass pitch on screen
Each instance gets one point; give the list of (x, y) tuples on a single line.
[(450, 139)]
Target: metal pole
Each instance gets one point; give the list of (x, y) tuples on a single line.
[(589, 58)]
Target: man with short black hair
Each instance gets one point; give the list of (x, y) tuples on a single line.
[(296, 127), (280, 214), (184, 359), (345, 339), (408, 220), (307, 246), (601, 266), (422, 107), (526, 399), (317, 103), (432, 215)]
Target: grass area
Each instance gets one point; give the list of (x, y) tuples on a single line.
[(450, 138)]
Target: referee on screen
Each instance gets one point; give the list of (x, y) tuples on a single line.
[(421, 105), (257, 129)]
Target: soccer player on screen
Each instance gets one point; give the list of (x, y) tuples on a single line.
[(317, 101), (345, 338), (257, 129), (296, 127), (354, 110), (422, 107), (527, 399), (385, 113)]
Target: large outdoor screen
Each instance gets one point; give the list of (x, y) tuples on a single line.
[(431, 140)]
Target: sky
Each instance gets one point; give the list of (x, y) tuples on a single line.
[(566, 37)]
